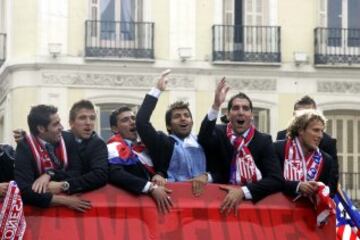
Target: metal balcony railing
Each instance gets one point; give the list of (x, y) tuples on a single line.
[(337, 46), (115, 39), (246, 43), (350, 182), (2, 48)]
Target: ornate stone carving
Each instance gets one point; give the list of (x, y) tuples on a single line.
[(114, 80), (338, 87), (252, 84)]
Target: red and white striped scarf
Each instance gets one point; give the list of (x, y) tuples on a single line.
[(12, 220), (296, 167), (243, 169), (41, 156)]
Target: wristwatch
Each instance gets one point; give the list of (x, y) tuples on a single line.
[(65, 186)]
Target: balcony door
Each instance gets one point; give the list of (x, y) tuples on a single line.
[(115, 26), (342, 20), (245, 18)]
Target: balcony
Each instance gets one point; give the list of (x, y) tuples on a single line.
[(117, 40), (2, 48), (238, 43), (337, 46)]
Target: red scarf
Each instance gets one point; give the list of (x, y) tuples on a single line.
[(124, 154), (296, 166), (243, 169), (12, 220), (41, 156)]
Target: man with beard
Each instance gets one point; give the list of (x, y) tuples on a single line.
[(131, 167), (238, 153), (178, 153), (327, 143), (42, 155), (303, 164)]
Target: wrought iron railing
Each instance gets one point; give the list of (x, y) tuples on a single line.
[(2, 48), (337, 46), (110, 39), (350, 182), (246, 43)]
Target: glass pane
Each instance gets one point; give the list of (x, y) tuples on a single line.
[(353, 13), (334, 13), (339, 135), (350, 136)]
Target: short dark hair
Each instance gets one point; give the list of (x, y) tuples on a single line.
[(79, 105), (305, 100), (175, 106), (117, 112), (240, 95), (40, 116)]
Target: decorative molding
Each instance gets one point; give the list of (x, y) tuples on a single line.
[(114, 80), (252, 84), (338, 87)]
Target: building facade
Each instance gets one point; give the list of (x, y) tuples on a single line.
[(112, 51)]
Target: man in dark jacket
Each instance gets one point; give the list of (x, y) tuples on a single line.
[(303, 163), (45, 155), (327, 143), (131, 167), (238, 153)]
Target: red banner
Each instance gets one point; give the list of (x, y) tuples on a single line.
[(117, 214)]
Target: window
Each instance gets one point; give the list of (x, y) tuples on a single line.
[(344, 125), (104, 115)]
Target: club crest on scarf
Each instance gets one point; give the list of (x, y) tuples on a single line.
[(243, 168)]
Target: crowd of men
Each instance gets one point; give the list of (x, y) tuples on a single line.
[(51, 164)]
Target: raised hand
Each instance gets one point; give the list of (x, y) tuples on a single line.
[(220, 94), (162, 82), (233, 198)]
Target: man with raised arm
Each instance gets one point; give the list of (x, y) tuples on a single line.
[(44, 155), (240, 155), (131, 167), (178, 152)]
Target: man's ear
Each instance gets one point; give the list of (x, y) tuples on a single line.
[(168, 128), (41, 129), (114, 129)]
